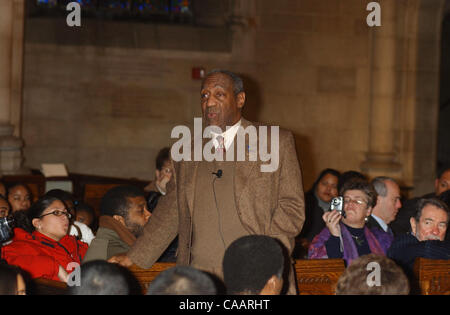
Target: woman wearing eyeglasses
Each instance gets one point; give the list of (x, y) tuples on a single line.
[(346, 236), (48, 250)]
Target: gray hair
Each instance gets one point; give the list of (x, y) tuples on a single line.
[(430, 201), (379, 183), (238, 84)]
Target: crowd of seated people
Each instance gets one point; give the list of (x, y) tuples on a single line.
[(58, 230)]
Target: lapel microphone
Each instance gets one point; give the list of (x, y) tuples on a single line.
[(218, 174)]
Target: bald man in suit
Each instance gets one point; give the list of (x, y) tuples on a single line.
[(208, 208)]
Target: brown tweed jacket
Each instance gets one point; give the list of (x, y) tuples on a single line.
[(268, 204)]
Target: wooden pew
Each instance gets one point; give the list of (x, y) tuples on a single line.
[(143, 276), (433, 276), (43, 286), (93, 194), (94, 190), (318, 276), (146, 276)]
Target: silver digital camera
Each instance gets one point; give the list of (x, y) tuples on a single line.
[(6, 226), (337, 203)]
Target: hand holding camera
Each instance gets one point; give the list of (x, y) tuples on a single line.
[(333, 216), (332, 219)]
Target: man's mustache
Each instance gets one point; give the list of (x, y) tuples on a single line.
[(433, 238), (212, 111)]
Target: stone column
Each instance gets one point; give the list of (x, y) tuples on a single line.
[(381, 159), (12, 15)]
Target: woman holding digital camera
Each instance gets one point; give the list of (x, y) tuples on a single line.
[(345, 235)]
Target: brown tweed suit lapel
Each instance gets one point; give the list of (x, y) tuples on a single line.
[(243, 169), (190, 178)]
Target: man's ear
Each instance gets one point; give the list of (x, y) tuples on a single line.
[(273, 286), (240, 98), (413, 223), (436, 184), (119, 218)]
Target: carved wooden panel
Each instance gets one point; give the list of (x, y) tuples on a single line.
[(318, 276), (433, 276)]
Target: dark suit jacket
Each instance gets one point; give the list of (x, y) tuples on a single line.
[(267, 203), (372, 223), (406, 248)]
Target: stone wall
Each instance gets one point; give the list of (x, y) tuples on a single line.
[(104, 98)]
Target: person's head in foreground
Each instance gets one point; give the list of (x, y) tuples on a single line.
[(98, 277), (373, 275), (182, 280), (253, 264)]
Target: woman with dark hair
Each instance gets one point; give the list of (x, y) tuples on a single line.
[(12, 281), (19, 197), (346, 235), (48, 250), (317, 202)]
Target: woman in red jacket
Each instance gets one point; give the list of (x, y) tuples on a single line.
[(48, 250)]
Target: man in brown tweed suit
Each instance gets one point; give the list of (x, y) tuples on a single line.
[(210, 209)]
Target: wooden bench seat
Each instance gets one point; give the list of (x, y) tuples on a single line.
[(314, 277), (318, 276), (43, 286), (433, 276), (146, 276)]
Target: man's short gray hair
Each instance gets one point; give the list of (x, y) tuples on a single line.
[(430, 201), (379, 183), (238, 84)]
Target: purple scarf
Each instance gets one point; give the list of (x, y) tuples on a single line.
[(378, 240)]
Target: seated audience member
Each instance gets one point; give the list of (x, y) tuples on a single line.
[(123, 214), (388, 203), (99, 277), (4, 207), (48, 250), (427, 237), (253, 265), (86, 214), (317, 202), (19, 197), (3, 189), (441, 184), (360, 278), (163, 175), (78, 229), (347, 236), (182, 280), (12, 281)]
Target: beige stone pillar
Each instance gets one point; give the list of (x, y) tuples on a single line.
[(381, 159), (12, 15)]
